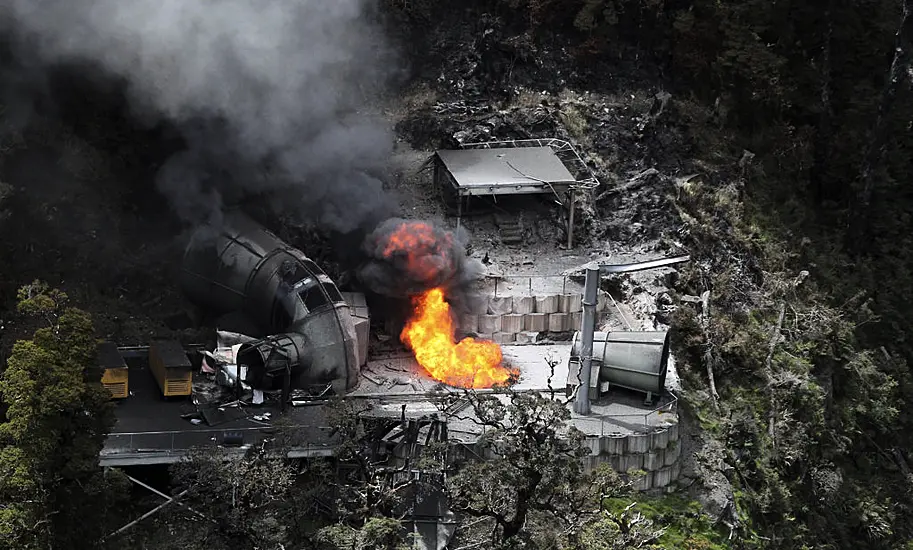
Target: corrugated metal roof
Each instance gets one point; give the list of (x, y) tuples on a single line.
[(171, 353), (109, 356), (505, 166)]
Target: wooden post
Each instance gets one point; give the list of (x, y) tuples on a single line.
[(570, 220)]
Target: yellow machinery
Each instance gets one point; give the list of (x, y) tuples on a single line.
[(114, 375), (171, 367)]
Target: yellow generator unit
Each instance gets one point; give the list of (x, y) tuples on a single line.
[(114, 370), (171, 367)]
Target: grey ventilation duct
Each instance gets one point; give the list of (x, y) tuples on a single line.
[(241, 267), (637, 360)]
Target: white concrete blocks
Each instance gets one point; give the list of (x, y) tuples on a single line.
[(632, 462), (500, 305), (570, 303), (614, 445), (527, 337), (558, 322), (513, 323), (489, 323), (662, 478), (524, 304), (536, 322), (503, 337), (660, 440), (547, 303), (469, 322), (574, 321), (673, 452), (643, 482), (653, 460), (638, 443)]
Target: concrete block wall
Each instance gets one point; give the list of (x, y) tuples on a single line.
[(518, 319), (656, 454)]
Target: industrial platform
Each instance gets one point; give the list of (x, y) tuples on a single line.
[(152, 430)]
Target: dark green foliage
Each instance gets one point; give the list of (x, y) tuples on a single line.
[(58, 414)]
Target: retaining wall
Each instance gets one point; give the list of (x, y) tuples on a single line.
[(520, 318), (656, 454)]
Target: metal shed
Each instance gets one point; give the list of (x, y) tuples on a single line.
[(537, 166), (503, 171)]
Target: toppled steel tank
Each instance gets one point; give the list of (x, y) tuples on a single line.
[(637, 360), (239, 266)]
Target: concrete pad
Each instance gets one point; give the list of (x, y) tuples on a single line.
[(504, 337), (500, 305), (571, 303), (469, 322), (557, 322), (489, 323), (513, 323), (524, 304), (536, 322), (547, 303)]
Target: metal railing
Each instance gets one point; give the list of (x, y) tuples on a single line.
[(528, 285), (179, 441)]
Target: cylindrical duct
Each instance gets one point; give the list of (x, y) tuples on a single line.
[(268, 359), (239, 266), (634, 360)]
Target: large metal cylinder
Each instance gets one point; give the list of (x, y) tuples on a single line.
[(269, 360), (239, 266), (634, 360)]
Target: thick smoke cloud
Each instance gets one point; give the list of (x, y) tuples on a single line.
[(407, 257), (266, 94)]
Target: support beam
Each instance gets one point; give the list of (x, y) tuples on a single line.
[(590, 290), (642, 266), (167, 497), (147, 514), (570, 218)]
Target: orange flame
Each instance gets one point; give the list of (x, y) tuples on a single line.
[(427, 255), (470, 363)]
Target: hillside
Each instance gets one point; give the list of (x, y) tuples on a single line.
[(771, 141)]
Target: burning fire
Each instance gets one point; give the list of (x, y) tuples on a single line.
[(469, 363), (427, 253)]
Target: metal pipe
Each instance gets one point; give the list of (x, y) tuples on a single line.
[(590, 289), (641, 266)]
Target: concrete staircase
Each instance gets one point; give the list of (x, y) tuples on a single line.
[(510, 229)]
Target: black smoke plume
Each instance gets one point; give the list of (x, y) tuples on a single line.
[(267, 95), (407, 257)]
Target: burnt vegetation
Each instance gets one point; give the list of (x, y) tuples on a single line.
[(769, 139)]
